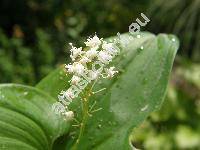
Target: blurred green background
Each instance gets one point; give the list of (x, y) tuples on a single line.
[(34, 37)]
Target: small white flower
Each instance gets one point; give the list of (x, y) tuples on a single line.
[(110, 72), (91, 53), (75, 52), (78, 68), (104, 57), (93, 42), (69, 115), (69, 68), (75, 79), (108, 47), (84, 60), (93, 75)]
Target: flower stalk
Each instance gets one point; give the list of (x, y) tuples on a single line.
[(88, 65)]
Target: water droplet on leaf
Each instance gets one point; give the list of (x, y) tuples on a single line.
[(99, 126), (138, 36), (173, 39), (25, 93)]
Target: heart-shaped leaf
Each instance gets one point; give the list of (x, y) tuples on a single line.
[(145, 63), (27, 121)]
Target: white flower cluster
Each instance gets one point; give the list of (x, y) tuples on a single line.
[(87, 65)]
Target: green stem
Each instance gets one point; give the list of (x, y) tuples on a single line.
[(85, 101)]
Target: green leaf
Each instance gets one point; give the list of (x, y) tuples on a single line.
[(27, 121), (145, 64)]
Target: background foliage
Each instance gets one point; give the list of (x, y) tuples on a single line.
[(34, 36)]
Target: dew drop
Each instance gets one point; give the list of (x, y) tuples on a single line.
[(99, 126), (138, 36), (25, 93), (140, 49), (173, 39)]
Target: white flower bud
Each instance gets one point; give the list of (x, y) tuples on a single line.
[(110, 72), (68, 115), (93, 42), (109, 47), (75, 52), (104, 57), (91, 53), (84, 60), (93, 75), (69, 68), (78, 68)]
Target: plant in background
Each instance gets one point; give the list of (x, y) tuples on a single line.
[(43, 42), (184, 22)]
